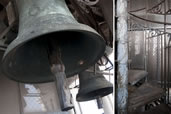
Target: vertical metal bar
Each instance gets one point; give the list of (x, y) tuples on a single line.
[(169, 77), (157, 58), (165, 78), (114, 1), (168, 74), (130, 34), (122, 57), (161, 61), (129, 53), (168, 67), (148, 40), (148, 53), (145, 38), (158, 55), (145, 66), (19, 98)]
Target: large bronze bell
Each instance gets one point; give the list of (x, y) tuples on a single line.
[(92, 86), (41, 24)]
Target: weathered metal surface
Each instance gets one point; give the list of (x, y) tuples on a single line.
[(160, 109), (90, 2), (143, 95), (93, 86), (3, 14), (156, 15), (131, 88), (4, 2), (150, 12), (136, 48), (136, 75), (154, 57), (107, 9), (2, 27), (26, 58), (10, 13), (4, 33), (122, 57)]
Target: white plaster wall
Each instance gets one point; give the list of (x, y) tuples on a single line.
[(39, 98), (11, 102), (9, 99)]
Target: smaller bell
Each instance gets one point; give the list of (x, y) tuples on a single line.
[(92, 86)]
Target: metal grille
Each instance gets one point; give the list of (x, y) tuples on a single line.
[(145, 49), (136, 49), (154, 54), (153, 17)]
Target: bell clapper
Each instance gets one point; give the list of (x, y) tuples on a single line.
[(62, 87), (58, 71)]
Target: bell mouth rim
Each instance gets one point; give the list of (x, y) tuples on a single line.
[(27, 37), (17, 43), (68, 108), (86, 97)]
